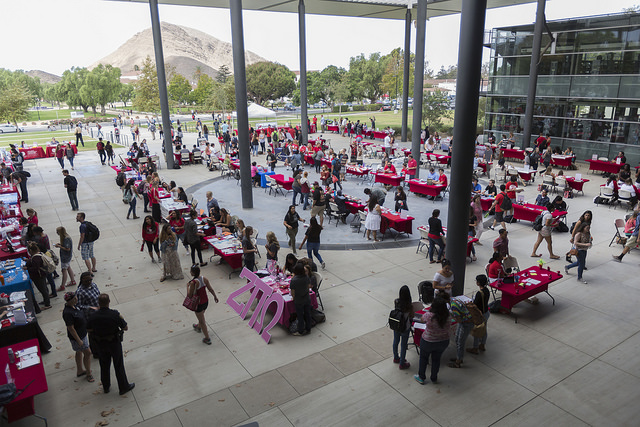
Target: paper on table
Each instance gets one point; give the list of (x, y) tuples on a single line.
[(27, 361), (419, 325), (287, 298), (463, 299), (533, 281), (27, 351)]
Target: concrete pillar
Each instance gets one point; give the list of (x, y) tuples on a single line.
[(418, 82)]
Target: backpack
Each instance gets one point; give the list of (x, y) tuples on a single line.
[(128, 195), (506, 203), (53, 256), (537, 223), (141, 186), (92, 233), (48, 266), (396, 323), (120, 179)]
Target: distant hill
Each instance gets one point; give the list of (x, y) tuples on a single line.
[(44, 76), (184, 48)]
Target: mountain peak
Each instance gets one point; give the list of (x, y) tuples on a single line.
[(185, 48)]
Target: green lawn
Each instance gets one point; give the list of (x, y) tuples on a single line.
[(59, 114), (41, 138)]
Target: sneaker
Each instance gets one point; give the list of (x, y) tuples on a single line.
[(196, 327), (202, 264), (396, 360), (419, 380), (580, 279), (482, 347), (491, 227), (566, 270), (323, 265), (616, 259), (153, 260), (472, 350), (405, 365), (296, 334), (585, 268), (207, 341), (159, 259)]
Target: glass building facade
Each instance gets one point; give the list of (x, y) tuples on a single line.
[(588, 91)]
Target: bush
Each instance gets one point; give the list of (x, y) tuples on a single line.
[(366, 107), (397, 131)]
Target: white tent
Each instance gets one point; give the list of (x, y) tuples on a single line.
[(257, 111)]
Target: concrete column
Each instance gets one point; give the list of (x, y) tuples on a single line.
[(533, 74), (240, 79), (302, 36), (464, 131), (418, 82), (162, 82), (405, 76)]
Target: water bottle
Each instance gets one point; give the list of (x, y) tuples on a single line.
[(12, 357)]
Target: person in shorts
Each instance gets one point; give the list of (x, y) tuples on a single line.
[(85, 248), (77, 332), (497, 203)]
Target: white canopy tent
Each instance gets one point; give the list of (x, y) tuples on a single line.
[(256, 111)]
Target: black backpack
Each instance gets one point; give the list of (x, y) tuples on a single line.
[(120, 179), (397, 320), (537, 223), (92, 233), (506, 203)]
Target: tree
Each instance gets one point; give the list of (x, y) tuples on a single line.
[(179, 89), (203, 90), (435, 106), (126, 93), (447, 73), (632, 9), (146, 94), (269, 81), (392, 79), (482, 106), (321, 85), (223, 74), (365, 76), (15, 98), (223, 96), (70, 85), (101, 87)]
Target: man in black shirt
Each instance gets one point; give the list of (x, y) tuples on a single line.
[(291, 224), (272, 160), (107, 326), (318, 202), (71, 184)]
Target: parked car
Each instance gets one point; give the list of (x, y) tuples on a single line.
[(8, 128), (386, 106)]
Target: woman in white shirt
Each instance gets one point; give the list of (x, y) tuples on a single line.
[(443, 279)]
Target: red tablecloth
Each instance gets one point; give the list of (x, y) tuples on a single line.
[(51, 150), (232, 258), (563, 161), (282, 287), (576, 185), (401, 225), (33, 153), (421, 187), (483, 166), (333, 128), (512, 293), (388, 178), (309, 159), (527, 175), (438, 158), (529, 212), (486, 202), (512, 153), (286, 183), (117, 169), (22, 406), (20, 253), (601, 165), (357, 170)]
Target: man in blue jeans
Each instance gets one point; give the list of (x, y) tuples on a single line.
[(71, 184), (460, 313)]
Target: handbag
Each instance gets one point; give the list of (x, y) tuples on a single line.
[(573, 251), (480, 329), (191, 302)]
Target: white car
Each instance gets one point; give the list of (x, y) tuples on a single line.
[(8, 128)]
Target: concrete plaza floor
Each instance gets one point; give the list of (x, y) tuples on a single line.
[(572, 363)]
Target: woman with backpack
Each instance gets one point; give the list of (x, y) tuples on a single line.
[(130, 196), (404, 304)]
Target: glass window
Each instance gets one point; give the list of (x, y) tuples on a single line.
[(633, 38), (630, 87), (599, 40), (595, 86)]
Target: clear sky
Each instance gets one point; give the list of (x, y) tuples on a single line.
[(55, 35)]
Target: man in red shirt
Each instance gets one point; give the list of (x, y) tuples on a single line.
[(512, 188), (497, 203), (541, 142), (412, 165), (443, 178)]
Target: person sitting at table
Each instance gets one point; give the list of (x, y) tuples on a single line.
[(430, 145), (442, 178), (625, 172), (225, 221), (195, 149), (512, 188), (389, 168), (240, 228), (622, 157), (629, 225), (542, 199), (341, 202), (255, 177), (214, 215), (227, 160), (443, 279), (490, 189), (435, 235), (379, 193), (325, 176), (628, 186), (32, 216), (559, 204), (476, 188), (182, 196), (433, 175), (401, 199), (495, 269)]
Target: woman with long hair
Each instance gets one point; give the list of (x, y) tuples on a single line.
[(169, 246), (34, 265), (131, 194), (582, 242), (312, 238), (476, 205), (481, 301), (66, 253), (272, 247), (435, 339), (150, 237), (198, 285), (586, 217), (176, 221), (249, 249), (404, 304), (374, 218)]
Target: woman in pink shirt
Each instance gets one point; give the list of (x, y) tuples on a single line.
[(435, 339)]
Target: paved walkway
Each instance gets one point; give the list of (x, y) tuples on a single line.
[(573, 363)]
